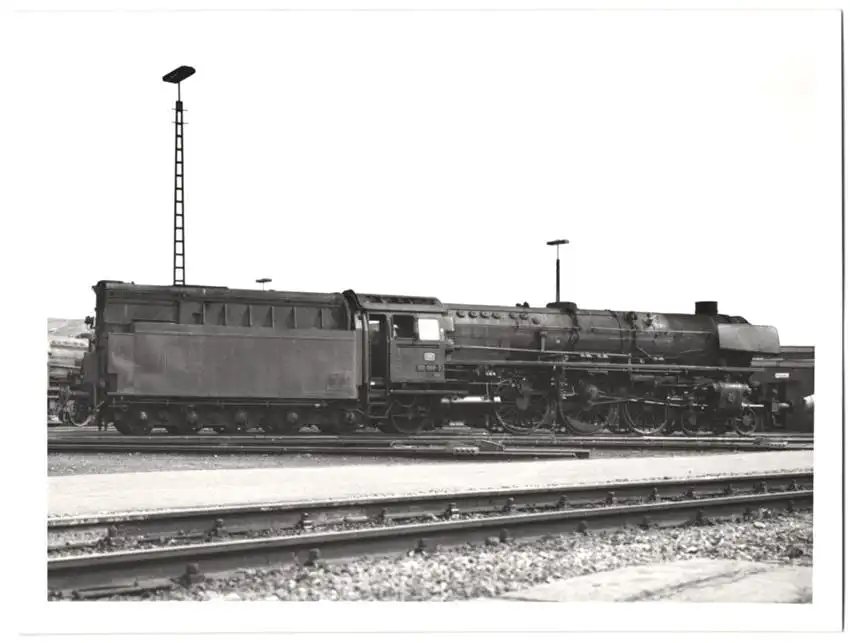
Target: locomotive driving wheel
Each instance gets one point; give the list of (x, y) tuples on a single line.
[(582, 412), (689, 422), (407, 416), (521, 408), (645, 419), (589, 418)]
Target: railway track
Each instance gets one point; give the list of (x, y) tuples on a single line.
[(464, 448), (219, 540), (420, 446), (447, 432)]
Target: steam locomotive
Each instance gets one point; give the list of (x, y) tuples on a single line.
[(66, 402), (189, 357)]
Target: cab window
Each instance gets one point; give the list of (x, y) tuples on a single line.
[(429, 330), (403, 327)]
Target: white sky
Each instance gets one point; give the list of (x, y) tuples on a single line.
[(686, 156)]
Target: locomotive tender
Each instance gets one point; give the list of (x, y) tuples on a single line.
[(188, 357)]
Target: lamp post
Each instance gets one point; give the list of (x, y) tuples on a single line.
[(264, 281), (557, 243), (177, 76)]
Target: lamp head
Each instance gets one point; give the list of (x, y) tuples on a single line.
[(178, 75)]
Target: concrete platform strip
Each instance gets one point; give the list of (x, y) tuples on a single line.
[(695, 580)]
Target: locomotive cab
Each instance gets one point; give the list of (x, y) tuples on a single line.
[(407, 339), (406, 347)]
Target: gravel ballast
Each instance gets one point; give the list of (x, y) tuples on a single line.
[(486, 571), (74, 464)]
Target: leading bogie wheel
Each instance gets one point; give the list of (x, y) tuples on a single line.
[(749, 422)]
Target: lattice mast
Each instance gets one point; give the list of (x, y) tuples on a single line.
[(179, 264)]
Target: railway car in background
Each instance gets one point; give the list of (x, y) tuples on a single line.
[(66, 402), (789, 376), (188, 357)]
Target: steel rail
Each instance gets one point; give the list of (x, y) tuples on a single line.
[(546, 511), (396, 450), (262, 438), (493, 442), (446, 433)]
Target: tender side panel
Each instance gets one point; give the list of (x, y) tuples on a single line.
[(744, 338), (209, 362)]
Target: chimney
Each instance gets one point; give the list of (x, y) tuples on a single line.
[(706, 308)]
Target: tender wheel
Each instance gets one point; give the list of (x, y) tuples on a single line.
[(748, 423), (407, 416), (133, 426), (278, 425), (521, 409), (340, 422), (234, 423), (645, 419), (121, 428), (183, 427)]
